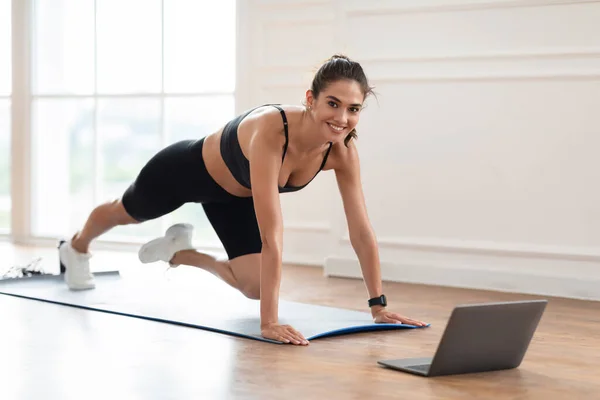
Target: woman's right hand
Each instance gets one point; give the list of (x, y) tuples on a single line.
[(283, 333)]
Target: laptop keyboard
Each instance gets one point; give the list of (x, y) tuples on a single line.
[(423, 368)]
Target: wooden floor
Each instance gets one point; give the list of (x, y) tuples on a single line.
[(55, 352)]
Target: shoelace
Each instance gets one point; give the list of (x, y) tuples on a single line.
[(166, 271), (22, 271)]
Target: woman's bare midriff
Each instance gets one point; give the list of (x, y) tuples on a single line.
[(216, 167)]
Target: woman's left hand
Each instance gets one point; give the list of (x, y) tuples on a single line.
[(387, 317)]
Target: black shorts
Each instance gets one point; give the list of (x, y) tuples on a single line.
[(177, 175)]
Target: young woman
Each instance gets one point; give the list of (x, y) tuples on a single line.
[(237, 174)]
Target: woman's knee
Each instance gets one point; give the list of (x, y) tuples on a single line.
[(252, 291), (115, 212), (124, 217), (246, 270)]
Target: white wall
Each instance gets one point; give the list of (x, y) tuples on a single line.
[(480, 158)]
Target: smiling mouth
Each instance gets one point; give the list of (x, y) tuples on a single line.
[(336, 127)]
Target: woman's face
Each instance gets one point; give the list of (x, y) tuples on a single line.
[(337, 109)]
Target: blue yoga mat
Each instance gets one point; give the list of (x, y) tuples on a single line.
[(213, 306)]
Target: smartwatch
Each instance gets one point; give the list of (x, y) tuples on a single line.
[(378, 301)]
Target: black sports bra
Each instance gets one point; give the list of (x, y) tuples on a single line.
[(237, 162)]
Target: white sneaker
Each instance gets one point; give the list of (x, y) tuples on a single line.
[(178, 237), (77, 265)]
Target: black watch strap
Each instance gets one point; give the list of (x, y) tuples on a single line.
[(378, 301)]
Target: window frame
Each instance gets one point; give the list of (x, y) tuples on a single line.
[(22, 98), (8, 97)]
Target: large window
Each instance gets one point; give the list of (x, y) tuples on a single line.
[(5, 90), (114, 81)]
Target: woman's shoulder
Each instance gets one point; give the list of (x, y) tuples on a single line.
[(270, 119), (272, 112), (263, 128)]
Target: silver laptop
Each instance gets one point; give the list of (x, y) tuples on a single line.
[(479, 338)]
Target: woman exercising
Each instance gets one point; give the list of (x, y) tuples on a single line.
[(237, 174)]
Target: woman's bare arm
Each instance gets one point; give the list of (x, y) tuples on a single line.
[(265, 153), (362, 235)]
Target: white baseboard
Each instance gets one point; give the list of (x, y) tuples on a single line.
[(305, 259), (576, 284)]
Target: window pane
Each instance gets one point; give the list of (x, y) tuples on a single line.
[(5, 48), (194, 118), (63, 47), (63, 156), (5, 202), (129, 135), (200, 46), (129, 46), (5, 89)]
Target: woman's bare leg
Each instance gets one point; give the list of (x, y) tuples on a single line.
[(242, 273), (102, 219), (74, 254)]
